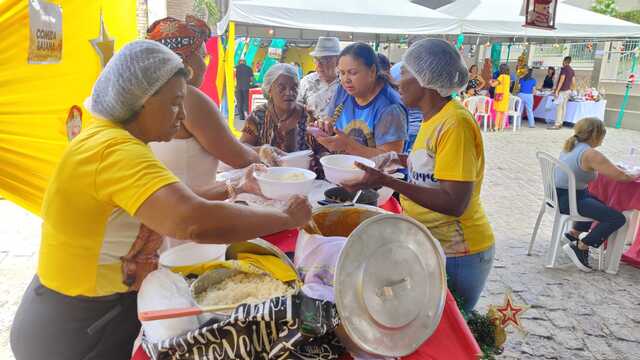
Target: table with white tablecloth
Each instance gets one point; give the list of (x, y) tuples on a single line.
[(576, 110)]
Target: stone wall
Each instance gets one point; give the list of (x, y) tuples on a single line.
[(179, 8)]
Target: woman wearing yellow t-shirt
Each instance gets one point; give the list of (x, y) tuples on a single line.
[(76, 308), (501, 98), (446, 167)]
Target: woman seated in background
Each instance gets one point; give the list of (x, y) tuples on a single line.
[(548, 80), (368, 116), (446, 167), (476, 82), (79, 305), (527, 84), (501, 97), (282, 121), (580, 155)]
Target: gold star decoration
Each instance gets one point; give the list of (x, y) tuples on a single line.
[(103, 44), (509, 314)]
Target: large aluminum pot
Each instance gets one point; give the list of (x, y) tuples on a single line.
[(390, 283)]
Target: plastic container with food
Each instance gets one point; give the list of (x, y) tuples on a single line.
[(280, 183), (188, 258), (224, 286), (341, 168), (298, 159)]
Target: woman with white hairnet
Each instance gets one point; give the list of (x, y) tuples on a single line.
[(446, 167), (81, 304), (282, 121)]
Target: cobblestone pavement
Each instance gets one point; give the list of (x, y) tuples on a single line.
[(573, 315)]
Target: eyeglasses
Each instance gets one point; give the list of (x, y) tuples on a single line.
[(325, 60)]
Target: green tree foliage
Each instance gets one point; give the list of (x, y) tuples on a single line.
[(607, 7)]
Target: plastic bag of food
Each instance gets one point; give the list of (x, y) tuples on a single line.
[(160, 290)]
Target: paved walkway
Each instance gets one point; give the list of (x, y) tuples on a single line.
[(573, 315)]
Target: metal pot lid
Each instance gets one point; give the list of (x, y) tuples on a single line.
[(258, 247), (390, 285)]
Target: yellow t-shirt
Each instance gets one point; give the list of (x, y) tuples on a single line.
[(104, 168), (449, 147), (503, 88)]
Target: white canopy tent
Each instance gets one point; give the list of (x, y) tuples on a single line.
[(335, 17), (503, 18)]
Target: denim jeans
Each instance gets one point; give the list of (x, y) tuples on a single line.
[(527, 102), (468, 274), (609, 220)]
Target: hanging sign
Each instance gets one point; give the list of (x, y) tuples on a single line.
[(275, 53), (540, 14), (45, 32)]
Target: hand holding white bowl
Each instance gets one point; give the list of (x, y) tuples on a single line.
[(341, 168), (280, 183)]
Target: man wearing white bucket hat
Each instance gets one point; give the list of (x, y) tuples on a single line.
[(318, 89)]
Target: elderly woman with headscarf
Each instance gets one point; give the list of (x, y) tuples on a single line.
[(77, 306), (282, 121), (446, 167)]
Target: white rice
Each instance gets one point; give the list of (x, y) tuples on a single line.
[(243, 289)]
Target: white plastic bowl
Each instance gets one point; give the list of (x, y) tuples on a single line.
[(191, 254), (274, 187), (385, 192), (340, 168), (298, 159)]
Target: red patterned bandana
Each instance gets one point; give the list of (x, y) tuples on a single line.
[(184, 38)]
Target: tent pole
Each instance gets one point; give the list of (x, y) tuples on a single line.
[(625, 100), (230, 79)]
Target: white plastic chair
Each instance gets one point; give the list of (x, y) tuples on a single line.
[(515, 111), (610, 261), (548, 164), (480, 107)]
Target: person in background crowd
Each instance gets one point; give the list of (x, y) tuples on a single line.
[(281, 122), (476, 82), (414, 113), (244, 79), (78, 307), (501, 97), (580, 155), (446, 167), (566, 84), (548, 79), (527, 84), (486, 74), (371, 119), (318, 89), (385, 65)]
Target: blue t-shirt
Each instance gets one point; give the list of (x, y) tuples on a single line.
[(526, 86), (381, 121)]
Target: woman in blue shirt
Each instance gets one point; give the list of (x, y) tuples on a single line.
[(368, 115), (527, 84)]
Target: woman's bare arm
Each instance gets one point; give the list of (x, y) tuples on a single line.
[(206, 124), (174, 210)]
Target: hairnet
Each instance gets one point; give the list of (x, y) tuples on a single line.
[(273, 73), (135, 73), (436, 65)]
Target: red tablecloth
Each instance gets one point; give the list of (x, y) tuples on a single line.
[(452, 338), (622, 197)]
